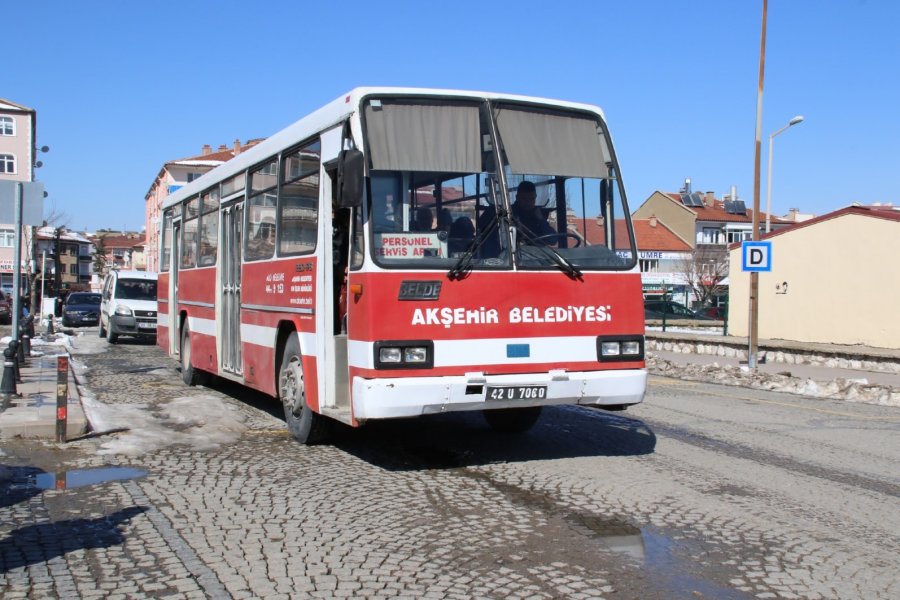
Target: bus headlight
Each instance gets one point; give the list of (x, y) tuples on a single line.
[(418, 354), (389, 355), (610, 348), (620, 347), (406, 354)]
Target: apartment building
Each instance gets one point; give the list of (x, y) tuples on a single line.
[(708, 225), (173, 175), (17, 161)]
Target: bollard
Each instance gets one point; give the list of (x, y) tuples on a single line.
[(26, 345), (14, 357), (8, 384), (62, 397), (50, 325), (20, 350)]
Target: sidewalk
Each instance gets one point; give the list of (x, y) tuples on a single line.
[(32, 414)]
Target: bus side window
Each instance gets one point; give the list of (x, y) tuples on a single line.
[(299, 216)]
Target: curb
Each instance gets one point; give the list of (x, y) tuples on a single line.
[(866, 358), (33, 414)]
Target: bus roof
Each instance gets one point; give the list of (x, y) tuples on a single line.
[(333, 114)]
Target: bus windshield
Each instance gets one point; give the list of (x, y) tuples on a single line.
[(438, 198)]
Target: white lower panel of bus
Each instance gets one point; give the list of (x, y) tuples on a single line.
[(412, 396)]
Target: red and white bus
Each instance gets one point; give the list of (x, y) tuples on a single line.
[(401, 252)]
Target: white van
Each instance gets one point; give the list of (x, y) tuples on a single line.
[(128, 305)]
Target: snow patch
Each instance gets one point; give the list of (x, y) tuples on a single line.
[(201, 422)]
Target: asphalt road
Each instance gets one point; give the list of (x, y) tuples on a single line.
[(703, 491)]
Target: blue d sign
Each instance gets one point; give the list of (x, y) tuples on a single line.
[(756, 256)]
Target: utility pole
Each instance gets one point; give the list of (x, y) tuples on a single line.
[(754, 276)]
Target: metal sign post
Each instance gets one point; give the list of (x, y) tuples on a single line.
[(26, 199), (17, 263)]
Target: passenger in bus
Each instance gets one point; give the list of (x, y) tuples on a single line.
[(462, 233), (423, 221), (489, 232), (340, 250), (528, 216), (444, 220)]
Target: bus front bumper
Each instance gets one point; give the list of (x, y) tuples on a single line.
[(387, 398)]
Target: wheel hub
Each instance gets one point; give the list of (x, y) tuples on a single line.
[(292, 390)]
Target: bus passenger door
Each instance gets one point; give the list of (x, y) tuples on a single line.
[(174, 264), (334, 391), (230, 290)]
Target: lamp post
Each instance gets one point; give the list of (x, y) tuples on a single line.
[(791, 123)]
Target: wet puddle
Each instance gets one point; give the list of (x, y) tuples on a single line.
[(661, 557), (80, 478), (668, 559)]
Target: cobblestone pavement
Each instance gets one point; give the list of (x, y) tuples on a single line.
[(701, 492)]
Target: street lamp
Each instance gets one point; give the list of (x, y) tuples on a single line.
[(791, 123)]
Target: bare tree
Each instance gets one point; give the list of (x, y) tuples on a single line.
[(99, 255), (704, 271), (55, 218)]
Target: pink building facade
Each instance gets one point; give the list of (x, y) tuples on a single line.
[(17, 160), (173, 175)]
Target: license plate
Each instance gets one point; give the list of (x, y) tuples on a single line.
[(517, 392), (146, 325)]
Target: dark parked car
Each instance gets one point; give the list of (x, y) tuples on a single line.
[(5, 312), (81, 308), (654, 309), (713, 312)]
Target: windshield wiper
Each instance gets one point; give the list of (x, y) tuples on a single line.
[(561, 261)]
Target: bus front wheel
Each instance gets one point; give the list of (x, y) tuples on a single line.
[(512, 420), (306, 426), (189, 374)]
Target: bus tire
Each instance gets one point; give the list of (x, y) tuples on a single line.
[(305, 426), (189, 374), (512, 420)]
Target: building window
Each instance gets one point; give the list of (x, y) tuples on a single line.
[(737, 236), (193, 176), (711, 235), (7, 126), (7, 163), (649, 265), (73, 269), (7, 238)]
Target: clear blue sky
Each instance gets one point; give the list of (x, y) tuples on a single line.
[(122, 87)]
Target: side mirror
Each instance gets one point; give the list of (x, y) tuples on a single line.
[(351, 168)]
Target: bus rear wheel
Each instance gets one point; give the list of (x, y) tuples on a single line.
[(306, 426), (512, 420)]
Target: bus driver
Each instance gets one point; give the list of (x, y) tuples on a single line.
[(527, 215)]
